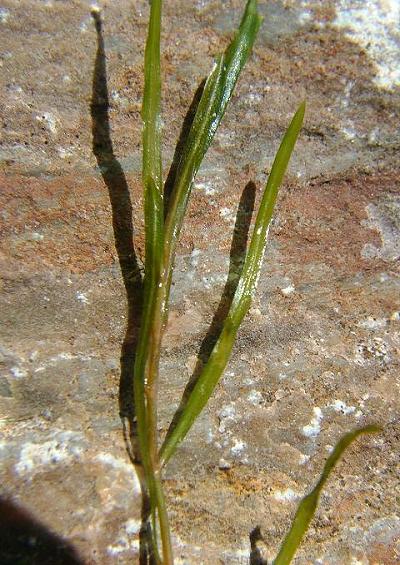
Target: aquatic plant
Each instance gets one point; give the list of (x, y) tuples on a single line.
[(162, 229)]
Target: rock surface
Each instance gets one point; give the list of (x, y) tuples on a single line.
[(318, 353)]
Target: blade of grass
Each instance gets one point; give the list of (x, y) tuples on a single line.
[(219, 357), (308, 504), (153, 197), (145, 381), (212, 106)]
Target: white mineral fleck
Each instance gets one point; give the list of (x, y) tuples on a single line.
[(286, 495), (314, 427), (255, 397), (62, 447), (223, 464), (288, 289), (238, 446), (18, 372), (375, 26), (340, 406), (81, 296)]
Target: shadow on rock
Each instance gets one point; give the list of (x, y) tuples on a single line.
[(25, 541), (121, 206), (118, 191), (236, 262), (255, 554)]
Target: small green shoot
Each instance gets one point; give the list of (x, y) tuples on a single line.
[(161, 239)]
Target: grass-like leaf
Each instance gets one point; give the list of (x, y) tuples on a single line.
[(308, 504), (145, 389), (216, 95), (220, 354), (153, 205)]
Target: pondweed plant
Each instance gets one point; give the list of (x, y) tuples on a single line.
[(162, 229)]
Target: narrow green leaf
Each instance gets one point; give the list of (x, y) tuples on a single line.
[(220, 89), (152, 166), (308, 504), (216, 95), (219, 357), (152, 179), (151, 136), (252, 266)]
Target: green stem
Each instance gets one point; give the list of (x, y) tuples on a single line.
[(168, 558), (145, 383)]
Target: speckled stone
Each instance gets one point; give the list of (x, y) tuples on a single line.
[(318, 353)]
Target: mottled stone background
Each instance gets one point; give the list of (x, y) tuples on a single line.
[(317, 355)]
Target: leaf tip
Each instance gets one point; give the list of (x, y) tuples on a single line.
[(252, 6), (371, 429), (252, 10), (301, 110)]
